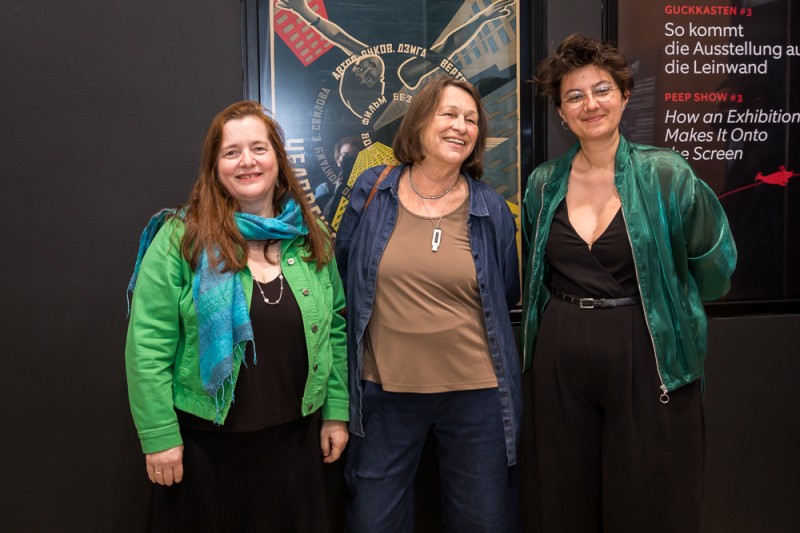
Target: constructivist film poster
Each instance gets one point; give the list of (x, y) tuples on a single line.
[(717, 81), (340, 75)]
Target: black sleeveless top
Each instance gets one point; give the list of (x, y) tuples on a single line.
[(606, 270), (269, 392)]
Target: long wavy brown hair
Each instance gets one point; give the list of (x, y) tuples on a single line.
[(208, 215)]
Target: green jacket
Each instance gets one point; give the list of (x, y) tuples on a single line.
[(682, 246), (161, 351)]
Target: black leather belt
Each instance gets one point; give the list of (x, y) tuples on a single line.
[(595, 303)]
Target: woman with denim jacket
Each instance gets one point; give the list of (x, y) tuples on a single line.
[(625, 243), (236, 296), (429, 259)]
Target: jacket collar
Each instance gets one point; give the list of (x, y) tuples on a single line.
[(564, 163), (621, 161)]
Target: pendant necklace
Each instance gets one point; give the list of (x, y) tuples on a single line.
[(436, 238), (266, 300), (280, 278)]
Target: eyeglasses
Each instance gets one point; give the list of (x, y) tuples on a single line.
[(601, 93)]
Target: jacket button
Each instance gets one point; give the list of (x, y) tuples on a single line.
[(316, 366), (314, 328), (306, 292), (290, 261), (309, 406)]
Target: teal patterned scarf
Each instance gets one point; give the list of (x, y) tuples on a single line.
[(223, 319)]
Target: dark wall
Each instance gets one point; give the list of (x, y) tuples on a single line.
[(103, 104), (752, 428), (565, 17)]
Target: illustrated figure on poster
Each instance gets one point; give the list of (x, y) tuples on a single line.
[(362, 83), (344, 155)]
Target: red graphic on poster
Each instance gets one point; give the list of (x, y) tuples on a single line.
[(781, 177), (304, 41)]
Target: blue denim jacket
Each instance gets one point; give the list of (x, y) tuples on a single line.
[(360, 242)]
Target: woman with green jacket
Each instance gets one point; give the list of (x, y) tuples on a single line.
[(625, 243), (235, 355)]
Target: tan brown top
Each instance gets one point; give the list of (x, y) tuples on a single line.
[(426, 333)]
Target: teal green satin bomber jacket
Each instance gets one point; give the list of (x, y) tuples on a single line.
[(682, 246), (161, 352)]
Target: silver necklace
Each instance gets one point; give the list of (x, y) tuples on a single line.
[(266, 300), (426, 197), (436, 238)]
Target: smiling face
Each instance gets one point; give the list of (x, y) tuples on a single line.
[(450, 135), (593, 120), (246, 165)]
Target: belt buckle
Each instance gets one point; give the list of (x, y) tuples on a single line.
[(586, 303)]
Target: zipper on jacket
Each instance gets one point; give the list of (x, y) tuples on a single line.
[(664, 397), (533, 250)]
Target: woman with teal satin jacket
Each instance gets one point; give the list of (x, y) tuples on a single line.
[(625, 243)]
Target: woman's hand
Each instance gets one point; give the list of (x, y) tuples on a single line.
[(165, 467), (332, 439), (497, 9)]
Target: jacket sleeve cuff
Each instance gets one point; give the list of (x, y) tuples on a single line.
[(157, 440), (336, 410)]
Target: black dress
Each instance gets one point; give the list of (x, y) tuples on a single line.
[(262, 469), (610, 456)]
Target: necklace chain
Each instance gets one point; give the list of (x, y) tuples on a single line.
[(266, 249), (266, 300), (425, 196), (436, 237)]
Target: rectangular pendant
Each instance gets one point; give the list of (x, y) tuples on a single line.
[(436, 240)]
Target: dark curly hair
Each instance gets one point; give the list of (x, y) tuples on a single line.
[(577, 51)]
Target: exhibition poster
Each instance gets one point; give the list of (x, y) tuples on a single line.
[(717, 82)]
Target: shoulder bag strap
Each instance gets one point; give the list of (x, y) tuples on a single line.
[(375, 187)]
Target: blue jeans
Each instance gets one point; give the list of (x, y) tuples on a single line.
[(479, 490)]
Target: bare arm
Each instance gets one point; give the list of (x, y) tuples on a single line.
[(416, 68), (332, 32), (461, 36)]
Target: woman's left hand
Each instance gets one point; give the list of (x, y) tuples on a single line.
[(501, 8), (332, 439), (165, 467)]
